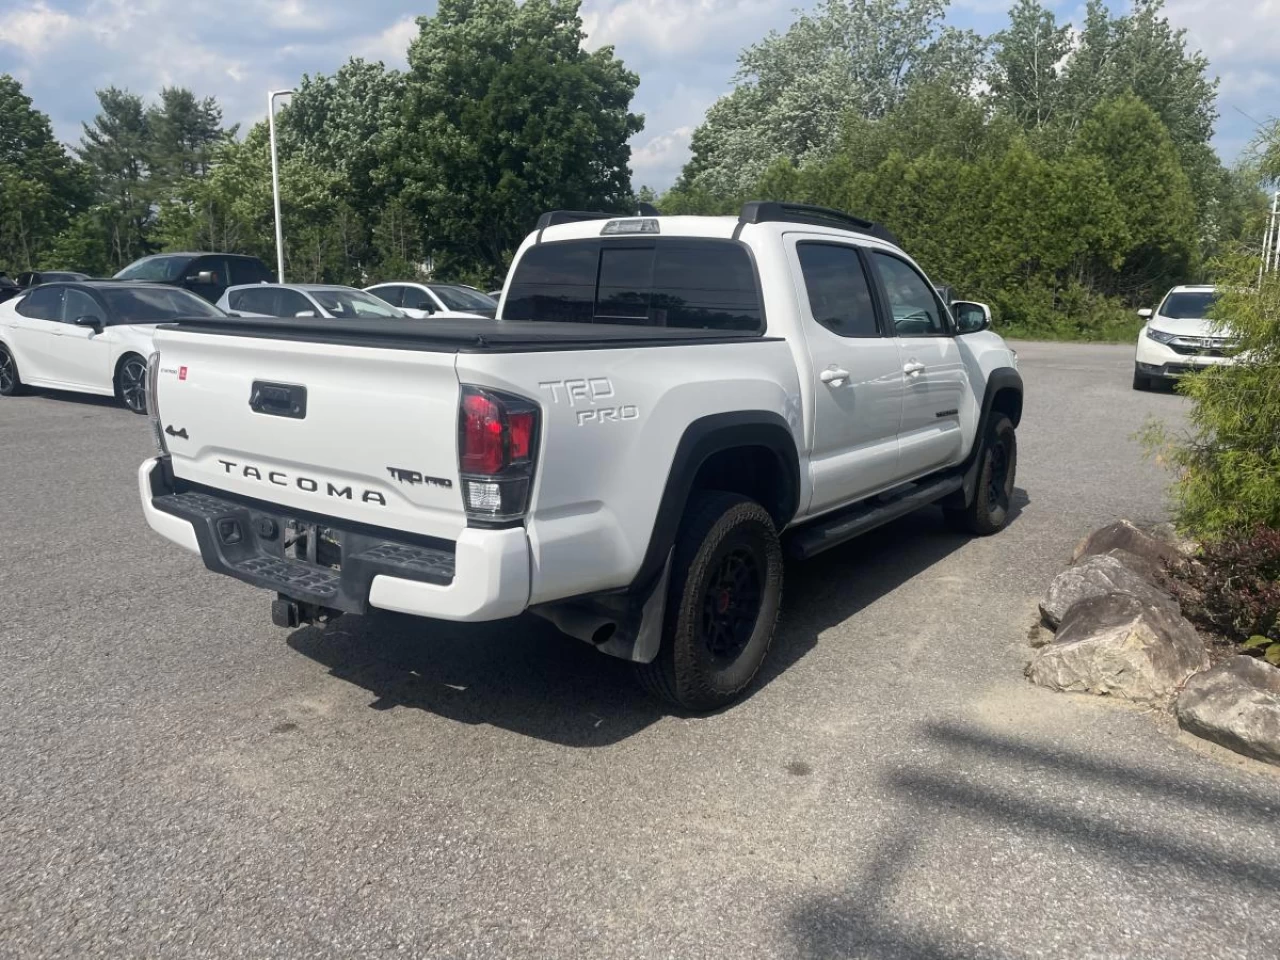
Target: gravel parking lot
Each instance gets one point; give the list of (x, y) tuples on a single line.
[(180, 779)]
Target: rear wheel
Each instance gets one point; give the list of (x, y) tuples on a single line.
[(726, 589), (131, 383), (10, 382), (1141, 381), (988, 513)]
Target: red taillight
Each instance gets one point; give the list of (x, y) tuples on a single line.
[(483, 447), (497, 446)]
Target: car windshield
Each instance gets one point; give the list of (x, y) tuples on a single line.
[(1188, 306), (156, 269), (463, 298), (353, 303), (155, 304)]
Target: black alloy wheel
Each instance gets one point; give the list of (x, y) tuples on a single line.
[(133, 384)]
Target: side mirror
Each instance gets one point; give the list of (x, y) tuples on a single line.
[(204, 277), (305, 313), (1145, 313), (971, 317), (93, 323)]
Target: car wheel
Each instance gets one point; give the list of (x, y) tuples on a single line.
[(726, 589), (988, 513), (10, 382), (1140, 381), (131, 383)]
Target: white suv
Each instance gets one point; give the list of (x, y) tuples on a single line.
[(1179, 338)]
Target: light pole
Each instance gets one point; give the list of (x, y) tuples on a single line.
[(275, 179)]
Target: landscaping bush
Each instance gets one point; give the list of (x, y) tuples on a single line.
[(1232, 588)]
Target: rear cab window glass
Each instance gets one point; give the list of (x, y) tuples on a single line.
[(839, 294), (691, 283)]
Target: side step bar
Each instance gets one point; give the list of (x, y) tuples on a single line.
[(837, 528)]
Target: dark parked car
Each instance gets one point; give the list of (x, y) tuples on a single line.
[(33, 279), (8, 289), (205, 274)]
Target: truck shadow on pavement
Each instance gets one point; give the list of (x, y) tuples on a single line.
[(524, 676), (1177, 842)]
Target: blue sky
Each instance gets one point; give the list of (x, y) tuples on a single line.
[(683, 50)]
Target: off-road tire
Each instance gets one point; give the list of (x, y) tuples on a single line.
[(10, 382), (721, 536), (990, 508)]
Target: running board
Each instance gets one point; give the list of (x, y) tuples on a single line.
[(835, 529)]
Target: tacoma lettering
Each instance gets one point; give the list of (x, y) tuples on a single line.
[(305, 484)]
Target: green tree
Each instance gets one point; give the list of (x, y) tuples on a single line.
[(185, 134), (40, 186), (114, 148), (508, 117), (794, 91), (1025, 78)]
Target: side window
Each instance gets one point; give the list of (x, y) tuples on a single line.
[(246, 270), (256, 301), (292, 303), (839, 294), (43, 303), (389, 294), (416, 299), (235, 300), (913, 303), (80, 304)]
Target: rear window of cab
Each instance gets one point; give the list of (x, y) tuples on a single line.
[(692, 283)]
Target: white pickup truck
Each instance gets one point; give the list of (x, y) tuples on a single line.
[(666, 406)]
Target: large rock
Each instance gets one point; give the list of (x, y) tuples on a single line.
[(1097, 576), (1146, 569), (1236, 704), (1121, 646), (1123, 535)]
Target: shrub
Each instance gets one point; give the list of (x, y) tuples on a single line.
[(1233, 588)]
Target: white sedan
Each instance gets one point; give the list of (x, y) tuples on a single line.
[(305, 300), (91, 337), (443, 301)]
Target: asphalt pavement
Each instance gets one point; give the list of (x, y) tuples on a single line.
[(180, 779)]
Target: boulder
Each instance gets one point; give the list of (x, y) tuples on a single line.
[(1123, 535), (1121, 646), (1143, 567), (1237, 705), (1097, 576)]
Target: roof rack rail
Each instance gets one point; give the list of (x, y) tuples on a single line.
[(556, 217), (769, 211)]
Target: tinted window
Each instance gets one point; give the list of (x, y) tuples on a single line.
[(42, 303), (156, 304), (704, 284), (1188, 306), (247, 270), (214, 265), (156, 269), (913, 303), (389, 295), (258, 300), (839, 295), (80, 304), (292, 303), (416, 299)]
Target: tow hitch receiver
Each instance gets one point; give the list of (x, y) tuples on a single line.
[(291, 614)]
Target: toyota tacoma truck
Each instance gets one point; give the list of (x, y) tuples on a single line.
[(666, 408)]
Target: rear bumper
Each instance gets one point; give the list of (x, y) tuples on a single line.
[(484, 575)]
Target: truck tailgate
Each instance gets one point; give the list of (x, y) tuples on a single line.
[(362, 433)]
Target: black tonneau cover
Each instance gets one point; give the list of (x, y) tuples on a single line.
[(458, 336)]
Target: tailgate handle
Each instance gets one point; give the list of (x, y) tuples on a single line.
[(279, 400)]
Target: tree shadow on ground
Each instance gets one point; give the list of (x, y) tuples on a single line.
[(524, 676), (1089, 810)]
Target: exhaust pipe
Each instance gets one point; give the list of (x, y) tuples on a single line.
[(580, 624)]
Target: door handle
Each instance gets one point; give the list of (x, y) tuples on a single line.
[(913, 369), (835, 377)]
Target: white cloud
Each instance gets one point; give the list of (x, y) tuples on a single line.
[(673, 26), (33, 29), (391, 46), (659, 159)]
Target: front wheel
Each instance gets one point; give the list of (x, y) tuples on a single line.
[(726, 589), (988, 513), (131, 383)]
